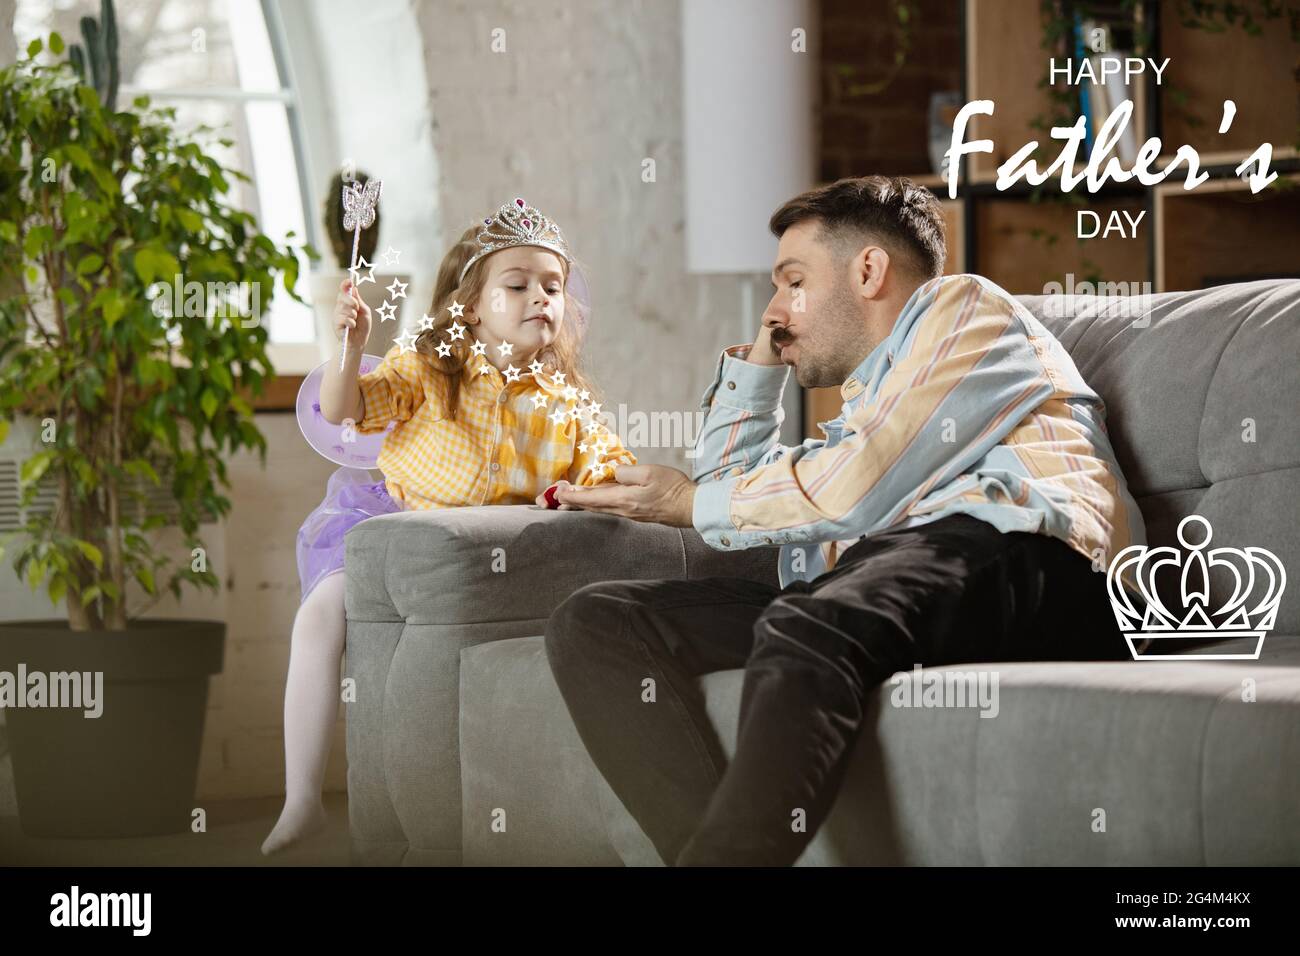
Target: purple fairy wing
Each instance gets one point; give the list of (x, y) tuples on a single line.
[(580, 292), (324, 437)]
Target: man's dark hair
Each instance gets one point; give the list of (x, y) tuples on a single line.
[(892, 210)]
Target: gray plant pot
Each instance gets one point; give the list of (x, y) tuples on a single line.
[(132, 770)]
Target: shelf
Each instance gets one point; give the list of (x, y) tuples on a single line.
[(1004, 62), (819, 405), (1216, 233), (1221, 232), (933, 182), (1259, 78), (1012, 257), (954, 228), (279, 395), (1226, 162)]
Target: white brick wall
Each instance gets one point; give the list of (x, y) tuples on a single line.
[(584, 93), (243, 748), (8, 48)]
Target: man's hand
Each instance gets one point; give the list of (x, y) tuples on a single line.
[(654, 493), (761, 352)]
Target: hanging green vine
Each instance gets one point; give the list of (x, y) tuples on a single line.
[(905, 19)]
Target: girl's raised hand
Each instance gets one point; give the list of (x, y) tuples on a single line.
[(350, 312)]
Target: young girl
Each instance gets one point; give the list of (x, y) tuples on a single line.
[(491, 409)]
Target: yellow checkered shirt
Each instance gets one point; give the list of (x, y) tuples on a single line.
[(508, 443)]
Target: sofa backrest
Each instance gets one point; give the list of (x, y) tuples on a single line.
[(1203, 409)]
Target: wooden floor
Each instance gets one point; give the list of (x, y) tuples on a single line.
[(236, 829)]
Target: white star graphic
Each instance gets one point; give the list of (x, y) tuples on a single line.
[(390, 256), (505, 348), (594, 408), (582, 447), (406, 341), (535, 367), (457, 331), (397, 290), (427, 322), (512, 373), (573, 412), (584, 395), (599, 471), (457, 310), (558, 379), (387, 312), (557, 416), (478, 348), (539, 400), (355, 272), (483, 368), (443, 349), (570, 393)]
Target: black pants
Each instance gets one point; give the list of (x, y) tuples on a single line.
[(952, 591)]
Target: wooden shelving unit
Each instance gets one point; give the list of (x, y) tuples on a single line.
[(1226, 233), (1216, 233), (1259, 74)]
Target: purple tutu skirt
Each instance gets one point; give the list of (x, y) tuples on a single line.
[(350, 497)]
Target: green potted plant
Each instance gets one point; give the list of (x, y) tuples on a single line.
[(131, 297)]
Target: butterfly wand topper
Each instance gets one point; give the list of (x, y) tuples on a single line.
[(358, 213)]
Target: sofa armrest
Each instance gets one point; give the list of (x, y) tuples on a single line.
[(422, 586), (516, 562)]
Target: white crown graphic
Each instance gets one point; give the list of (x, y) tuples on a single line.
[(1252, 570)]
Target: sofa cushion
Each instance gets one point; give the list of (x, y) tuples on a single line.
[(1177, 390), (529, 791), (423, 586), (1201, 405), (1169, 751)]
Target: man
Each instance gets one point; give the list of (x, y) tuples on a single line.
[(957, 511)]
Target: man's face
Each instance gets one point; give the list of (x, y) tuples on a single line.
[(817, 323)]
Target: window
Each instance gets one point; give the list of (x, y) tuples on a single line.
[(220, 63)]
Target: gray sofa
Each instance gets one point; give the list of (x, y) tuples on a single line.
[(460, 749)]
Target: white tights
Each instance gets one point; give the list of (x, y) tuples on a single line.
[(311, 706)]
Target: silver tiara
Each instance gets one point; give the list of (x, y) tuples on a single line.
[(518, 224)]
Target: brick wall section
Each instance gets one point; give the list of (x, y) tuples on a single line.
[(565, 118), (884, 132), (583, 94), (243, 737)]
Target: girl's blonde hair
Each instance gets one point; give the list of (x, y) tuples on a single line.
[(562, 354)]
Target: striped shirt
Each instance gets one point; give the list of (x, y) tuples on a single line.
[(968, 406), (509, 442)]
